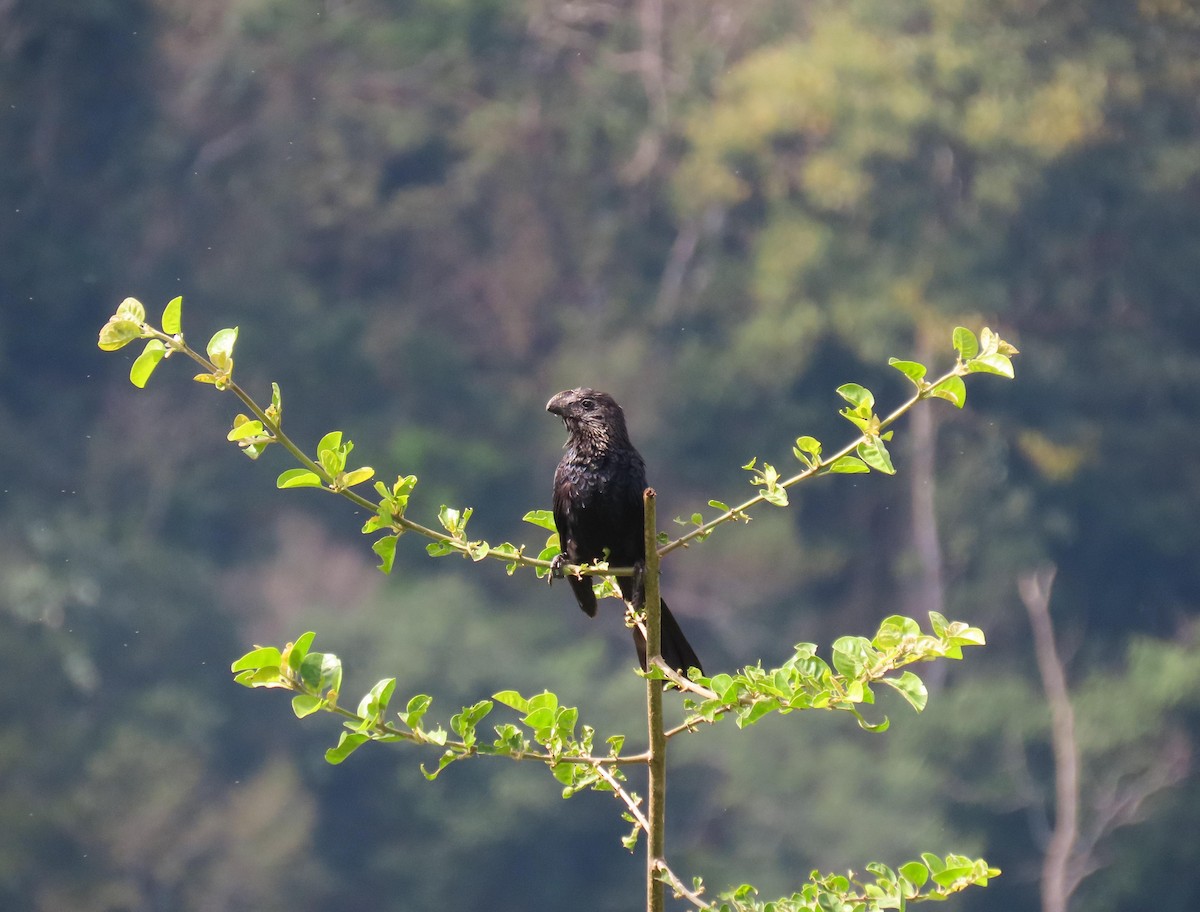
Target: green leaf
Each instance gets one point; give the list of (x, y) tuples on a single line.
[(952, 389), (938, 623), (876, 727), (347, 744), (508, 549), (375, 702), (144, 366), (951, 873), (321, 672), (306, 704), (809, 445), (296, 652), (171, 318), (415, 711), (915, 873), (262, 657), (220, 346), (875, 454), (858, 396), (848, 465), (244, 427), (540, 719), (754, 712), (440, 549), (850, 654), (775, 495), (332, 452), (512, 699), (965, 343), (543, 518), (117, 334), (131, 309), (989, 342), (331, 441), (472, 715), (994, 363), (298, 478), (262, 677), (358, 476), (911, 688), (385, 548), (913, 370), (932, 862), (966, 636), (717, 505)]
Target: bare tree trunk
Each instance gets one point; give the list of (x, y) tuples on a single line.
[(1058, 879), (928, 592)]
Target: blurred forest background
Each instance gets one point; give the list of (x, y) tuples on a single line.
[(427, 216)]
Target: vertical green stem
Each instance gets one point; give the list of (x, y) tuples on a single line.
[(657, 761)]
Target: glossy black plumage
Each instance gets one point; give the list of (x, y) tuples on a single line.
[(598, 490)]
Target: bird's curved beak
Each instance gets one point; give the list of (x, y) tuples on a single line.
[(558, 403)]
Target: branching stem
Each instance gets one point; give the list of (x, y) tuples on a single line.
[(657, 764), (739, 512)]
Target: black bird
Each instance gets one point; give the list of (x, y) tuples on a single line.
[(598, 505)]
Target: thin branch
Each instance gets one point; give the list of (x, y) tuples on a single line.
[(679, 889), (419, 737), (657, 764), (684, 683), (399, 524), (739, 512), (630, 802)]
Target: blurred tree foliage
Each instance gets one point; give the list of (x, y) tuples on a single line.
[(429, 215)]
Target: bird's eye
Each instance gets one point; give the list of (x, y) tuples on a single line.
[(588, 404)]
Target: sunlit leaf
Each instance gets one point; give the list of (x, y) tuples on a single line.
[(330, 441), (220, 346), (848, 465), (131, 309), (952, 389), (347, 744), (262, 657), (915, 873), (873, 452), (512, 699), (172, 314), (994, 363), (965, 343), (543, 518), (305, 705), (117, 334), (244, 428), (298, 478), (144, 366), (913, 370), (385, 548), (911, 687), (358, 476), (858, 396)]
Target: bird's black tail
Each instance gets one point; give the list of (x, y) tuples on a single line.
[(677, 652)]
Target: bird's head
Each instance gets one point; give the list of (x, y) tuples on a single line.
[(590, 414)]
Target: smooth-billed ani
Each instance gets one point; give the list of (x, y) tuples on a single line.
[(598, 505)]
